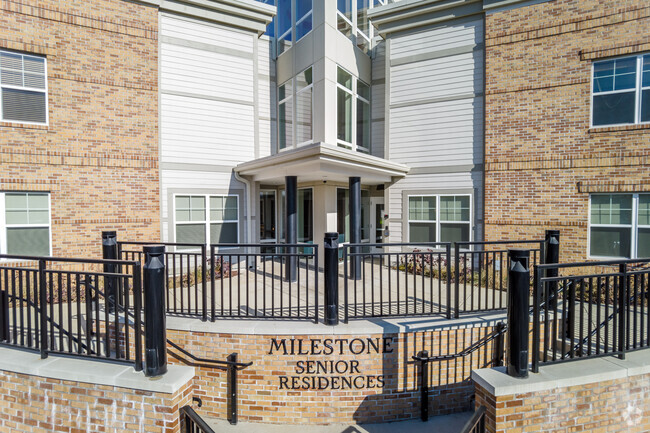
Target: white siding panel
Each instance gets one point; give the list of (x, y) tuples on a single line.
[(196, 31), (377, 138), (191, 180), (378, 100), (379, 61), (206, 73), (202, 131), (267, 137), (439, 38), (437, 78), (437, 134)]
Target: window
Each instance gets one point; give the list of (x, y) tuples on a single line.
[(619, 225), (23, 87), (25, 222), (301, 117), (207, 219), (621, 91), (356, 26), (287, 24), (443, 218), (352, 102), (343, 214), (304, 215), (267, 216)]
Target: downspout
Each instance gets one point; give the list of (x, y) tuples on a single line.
[(249, 207)]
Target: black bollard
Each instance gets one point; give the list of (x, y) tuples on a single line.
[(518, 305), (331, 244), (552, 255), (109, 252), (155, 328)]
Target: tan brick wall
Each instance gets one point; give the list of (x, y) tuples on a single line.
[(542, 159), (262, 400), (42, 405), (621, 405), (98, 157)]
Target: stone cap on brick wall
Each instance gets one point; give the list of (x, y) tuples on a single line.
[(561, 375), (92, 371)]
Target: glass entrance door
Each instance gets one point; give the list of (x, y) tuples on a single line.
[(377, 223)]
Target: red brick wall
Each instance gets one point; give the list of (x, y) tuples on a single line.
[(542, 158), (621, 405), (42, 405), (98, 157), (261, 398)]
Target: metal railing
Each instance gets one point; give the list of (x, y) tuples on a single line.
[(191, 422), (480, 273), (595, 314), (396, 279), (476, 424), (276, 281), (185, 267), (62, 306)]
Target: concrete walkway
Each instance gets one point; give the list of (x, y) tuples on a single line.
[(440, 424)]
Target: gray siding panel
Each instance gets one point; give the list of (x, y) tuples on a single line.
[(440, 38)]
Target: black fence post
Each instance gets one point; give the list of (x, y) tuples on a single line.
[(232, 389), (456, 280), (331, 256), (499, 345), (109, 252), (551, 256), (155, 329), (424, 385), (4, 315), (518, 307), (623, 310), (42, 300)]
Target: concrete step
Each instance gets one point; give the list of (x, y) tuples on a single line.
[(439, 424)]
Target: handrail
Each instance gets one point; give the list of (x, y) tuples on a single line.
[(501, 329), (196, 419), (477, 420), (67, 260), (240, 365), (592, 263)]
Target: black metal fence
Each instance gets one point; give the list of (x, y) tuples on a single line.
[(476, 424), (72, 307), (397, 279), (592, 309), (185, 268), (191, 422), (264, 281), (480, 273)]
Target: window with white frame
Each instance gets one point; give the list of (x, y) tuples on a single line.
[(25, 223), (295, 119), (23, 88), (352, 103), (294, 19), (619, 225), (439, 218), (356, 26), (621, 91), (206, 219)]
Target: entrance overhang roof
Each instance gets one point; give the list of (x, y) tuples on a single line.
[(322, 162)]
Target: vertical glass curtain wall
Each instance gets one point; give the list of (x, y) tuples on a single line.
[(295, 119), (356, 26), (352, 103), (293, 20)]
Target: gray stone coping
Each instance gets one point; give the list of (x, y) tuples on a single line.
[(93, 371), (354, 327), (564, 374)]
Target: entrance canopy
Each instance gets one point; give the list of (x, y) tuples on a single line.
[(322, 162)]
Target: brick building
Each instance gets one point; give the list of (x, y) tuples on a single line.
[(567, 138), (79, 124)]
